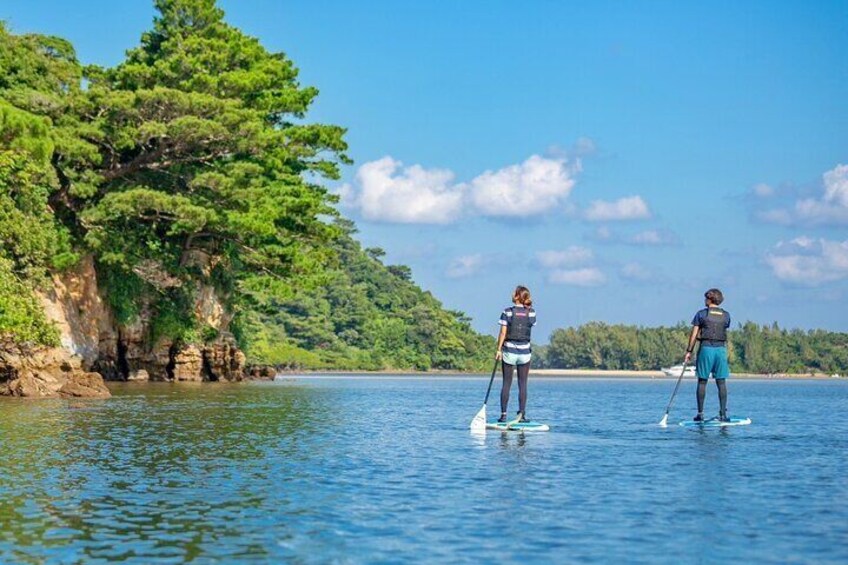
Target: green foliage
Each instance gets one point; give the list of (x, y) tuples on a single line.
[(31, 237), (21, 314), (174, 320), (368, 315), (751, 348), (188, 164), (32, 240), (122, 289)]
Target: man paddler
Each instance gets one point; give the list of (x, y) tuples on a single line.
[(709, 326)]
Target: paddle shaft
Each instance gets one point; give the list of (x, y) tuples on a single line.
[(677, 386), (673, 394), (488, 390)]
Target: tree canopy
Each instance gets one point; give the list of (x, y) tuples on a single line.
[(191, 163)]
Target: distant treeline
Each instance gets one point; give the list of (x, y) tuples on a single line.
[(752, 348)]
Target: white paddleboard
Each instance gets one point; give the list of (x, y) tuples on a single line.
[(715, 423), (518, 426)]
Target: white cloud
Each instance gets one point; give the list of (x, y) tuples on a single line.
[(636, 272), (465, 266), (775, 216), (385, 190), (808, 261), (836, 186), (574, 255), (589, 276), (831, 208), (649, 237), (533, 187), (628, 208), (821, 212), (652, 237), (412, 195), (762, 190)]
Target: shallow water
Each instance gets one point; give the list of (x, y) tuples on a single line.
[(382, 469)]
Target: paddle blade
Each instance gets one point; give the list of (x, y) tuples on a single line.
[(664, 421), (478, 424)]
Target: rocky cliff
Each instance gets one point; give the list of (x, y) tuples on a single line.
[(74, 305), (47, 373), (94, 346)]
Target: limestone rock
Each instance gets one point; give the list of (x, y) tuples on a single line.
[(188, 364), (223, 360), (91, 335), (139, 376), (75, 305), (46, 372), (260, 372)]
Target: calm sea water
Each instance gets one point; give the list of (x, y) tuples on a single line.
[(367, 470)]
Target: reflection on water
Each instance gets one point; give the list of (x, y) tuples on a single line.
[(365, 470), (158, 471)]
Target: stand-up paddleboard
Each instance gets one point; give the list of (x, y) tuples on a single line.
[(517, 426), (715, 423)]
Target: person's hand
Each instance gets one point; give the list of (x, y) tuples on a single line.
[(687, 357), (498, 354)]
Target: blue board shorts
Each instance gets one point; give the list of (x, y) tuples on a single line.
[(712, 360)]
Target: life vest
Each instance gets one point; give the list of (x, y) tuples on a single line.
[(714, 325), (520, 323)]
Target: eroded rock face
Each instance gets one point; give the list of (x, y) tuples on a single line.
[(188, 364), (260, 372), (46, 373), (139, 376), (93, 341), (75, 305), (223, 360)]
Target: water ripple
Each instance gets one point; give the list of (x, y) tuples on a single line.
[(385, 470)]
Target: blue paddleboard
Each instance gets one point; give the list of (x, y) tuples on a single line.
[(517, 426), (715, 423)]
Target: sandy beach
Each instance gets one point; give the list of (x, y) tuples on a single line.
[(551, 373), (660, 374)]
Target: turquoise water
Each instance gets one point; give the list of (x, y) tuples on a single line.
[(365, 470)]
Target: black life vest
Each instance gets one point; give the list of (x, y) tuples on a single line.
[(520, 323), (714, 325)]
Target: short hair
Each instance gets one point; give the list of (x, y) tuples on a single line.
[(715, 296)]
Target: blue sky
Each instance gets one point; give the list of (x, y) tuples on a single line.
[(618, 158)]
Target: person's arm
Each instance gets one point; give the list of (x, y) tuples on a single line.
[(693, 337), (501, 338)]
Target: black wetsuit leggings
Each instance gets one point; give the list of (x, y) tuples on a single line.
[(523, 373), (722, 394)]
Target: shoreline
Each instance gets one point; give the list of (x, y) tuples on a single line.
[(546, 373)]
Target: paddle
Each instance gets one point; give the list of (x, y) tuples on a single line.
[(478, 424), (664, 421)]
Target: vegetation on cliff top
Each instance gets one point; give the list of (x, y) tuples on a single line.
[(191, 163)]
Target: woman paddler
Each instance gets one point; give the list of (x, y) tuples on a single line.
[(514, 348)]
